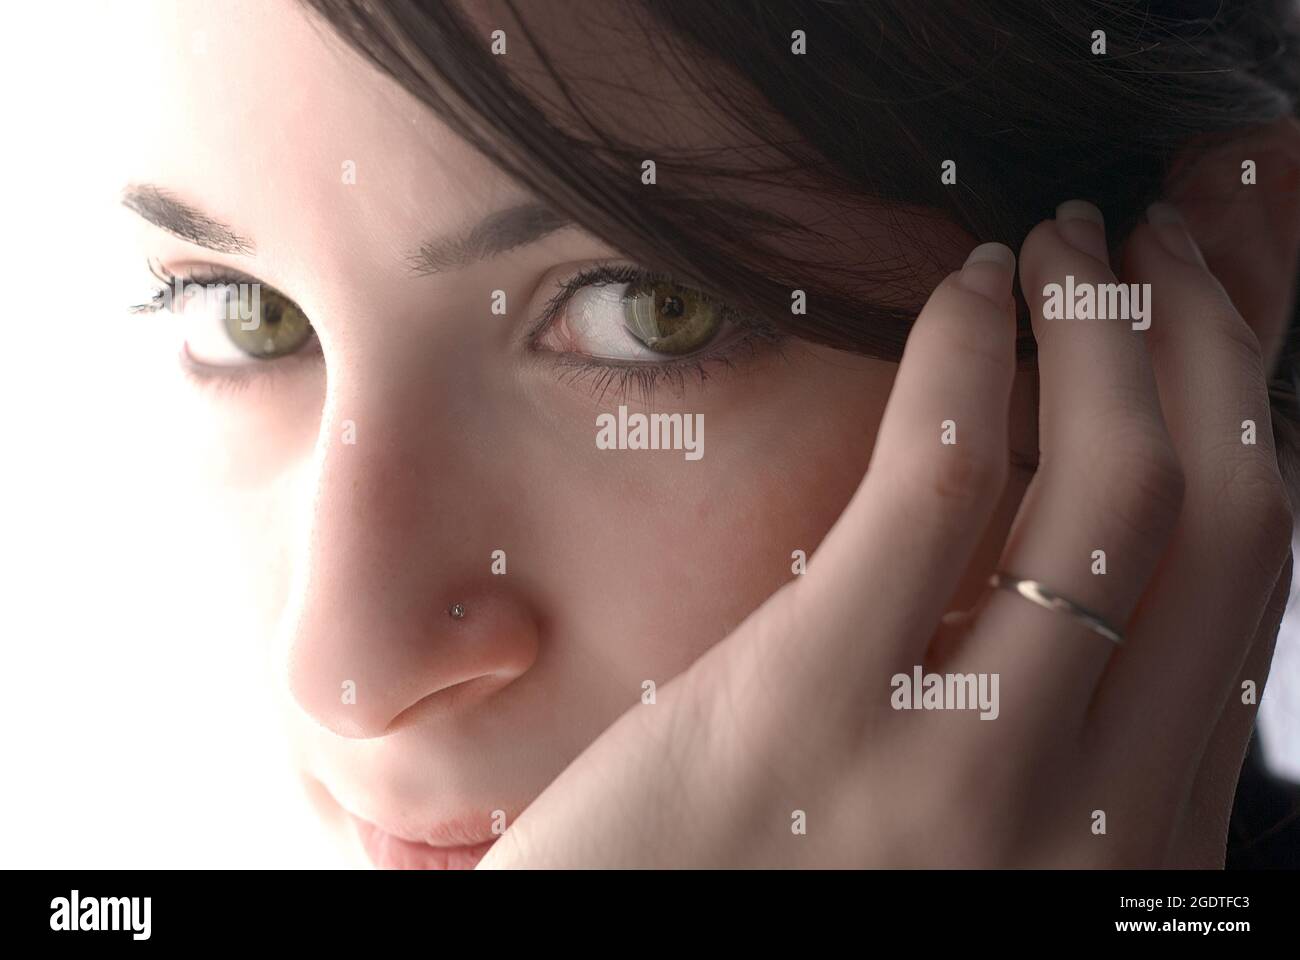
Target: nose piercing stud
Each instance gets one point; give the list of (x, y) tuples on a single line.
[(457, 611)]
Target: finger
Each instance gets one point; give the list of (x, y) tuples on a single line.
[(878, 584), (1106, 495), (1220, 210), (1193, 632), (1203, 833)]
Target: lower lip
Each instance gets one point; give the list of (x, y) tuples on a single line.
[(388, 852)]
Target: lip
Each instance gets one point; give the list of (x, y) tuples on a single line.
[(456, 843), (388, 851)]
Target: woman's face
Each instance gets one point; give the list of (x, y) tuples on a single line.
[(416, 453)]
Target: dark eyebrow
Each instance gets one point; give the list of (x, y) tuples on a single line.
[(496, 233), (180, 219)]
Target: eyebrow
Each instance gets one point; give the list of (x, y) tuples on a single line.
[(180, 219), (495, 234)]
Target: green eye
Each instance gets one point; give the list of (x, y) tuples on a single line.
[(669, 318), (263, 323)]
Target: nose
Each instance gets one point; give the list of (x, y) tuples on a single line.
[(398, 617)]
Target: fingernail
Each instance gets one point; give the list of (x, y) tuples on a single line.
[(1083, 227), (988, 271), (1173, 233)]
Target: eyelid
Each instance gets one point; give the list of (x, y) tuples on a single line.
[(201, 274), (213, 274), (232, 376), (756, 334), (600, 273), (607, 376), (237, 377), (609, 273)]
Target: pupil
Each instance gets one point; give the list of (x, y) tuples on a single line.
[(672, 307)]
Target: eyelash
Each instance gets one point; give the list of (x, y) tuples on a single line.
[(605, 375), (221, 379), (602, 375), (200, 274)]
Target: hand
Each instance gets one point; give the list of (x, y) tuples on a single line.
[(1098, 755)]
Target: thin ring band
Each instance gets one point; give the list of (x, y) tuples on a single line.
[(1035, 592)]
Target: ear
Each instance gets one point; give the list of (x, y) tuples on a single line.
[(1249, 232)]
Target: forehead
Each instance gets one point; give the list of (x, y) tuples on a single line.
[(253, 110), (237, 89), (257, 110)]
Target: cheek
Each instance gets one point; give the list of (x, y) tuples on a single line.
[(261, 533), (244, 439), (675, 555), (636, 561), (789, 488)]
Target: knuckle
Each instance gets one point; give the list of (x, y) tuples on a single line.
[(1255, 487), (1141, 483), (1213, 313), (1278, 516), (1241, 340), (966, 474), (982, 829), (1038, 245), (961, 326), (1261, 523)]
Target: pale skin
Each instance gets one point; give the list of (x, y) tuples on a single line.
[(787, 713), (772, 689)]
